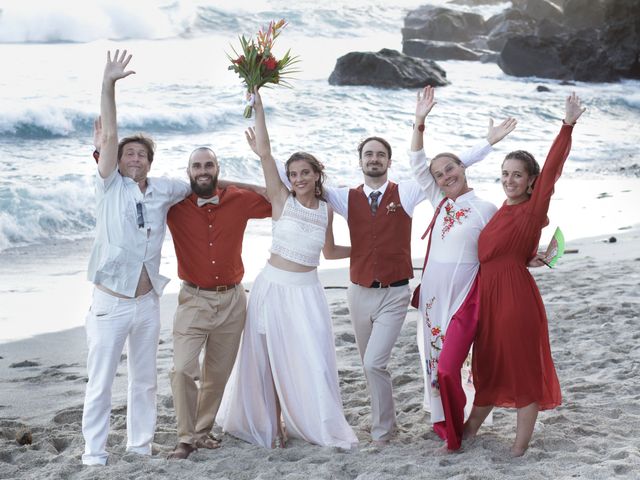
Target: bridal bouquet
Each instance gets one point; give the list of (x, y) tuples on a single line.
[(257, 65)]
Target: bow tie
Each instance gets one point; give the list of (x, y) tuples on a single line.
[(203, 201)]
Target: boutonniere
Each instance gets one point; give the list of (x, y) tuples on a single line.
[(392, 207)]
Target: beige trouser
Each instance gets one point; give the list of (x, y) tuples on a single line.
[(213, 321), (377, 315)]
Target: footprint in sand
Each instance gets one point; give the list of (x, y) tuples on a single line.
[(60, 444), (68, 416)]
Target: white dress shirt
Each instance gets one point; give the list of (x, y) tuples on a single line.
[(126, 241)]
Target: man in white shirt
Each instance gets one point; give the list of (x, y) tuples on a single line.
[(124, 266)]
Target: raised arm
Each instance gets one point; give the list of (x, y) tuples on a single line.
[(552, 168), (419, 163), (424, 103), (114, 70), (331, 251), (258, 140)]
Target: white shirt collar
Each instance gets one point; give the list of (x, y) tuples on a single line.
[(383, 188)]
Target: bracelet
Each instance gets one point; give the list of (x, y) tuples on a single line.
[(420, 127)]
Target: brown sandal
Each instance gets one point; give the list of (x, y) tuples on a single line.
[(182, 451)]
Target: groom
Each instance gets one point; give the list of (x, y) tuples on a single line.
[(379, 214)]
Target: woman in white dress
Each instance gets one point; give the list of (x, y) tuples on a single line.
[(285, 377), (448, 296)]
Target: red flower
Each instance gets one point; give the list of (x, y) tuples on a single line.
[(238, 60), (271, 63), (435, 331)]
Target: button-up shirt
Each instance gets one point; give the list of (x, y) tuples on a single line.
[(130, 229), (208, 239)]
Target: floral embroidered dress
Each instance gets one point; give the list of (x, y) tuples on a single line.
[(512, 364), (450, 272)]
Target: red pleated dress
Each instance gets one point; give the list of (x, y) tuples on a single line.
[(512, 364)]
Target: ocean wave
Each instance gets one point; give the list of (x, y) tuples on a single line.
[(42, 21), (44, 213), (51, 122)]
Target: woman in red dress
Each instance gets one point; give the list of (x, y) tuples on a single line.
[(512, 364)]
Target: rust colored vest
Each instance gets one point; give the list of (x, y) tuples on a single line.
[(380, 243)]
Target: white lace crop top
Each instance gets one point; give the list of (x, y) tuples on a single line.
[(298, 235)]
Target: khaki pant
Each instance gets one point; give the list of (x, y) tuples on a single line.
[(377, 315), (213, 321)]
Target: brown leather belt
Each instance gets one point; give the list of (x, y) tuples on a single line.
[(218, 288), (376, 284)]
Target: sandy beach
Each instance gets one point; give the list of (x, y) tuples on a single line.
[(594, 310)]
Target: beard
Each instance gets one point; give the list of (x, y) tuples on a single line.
[(374, 173), (204, 190)]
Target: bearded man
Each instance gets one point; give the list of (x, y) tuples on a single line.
[(207, 229)]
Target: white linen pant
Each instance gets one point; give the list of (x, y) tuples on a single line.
[(377, 315), (109, 323)]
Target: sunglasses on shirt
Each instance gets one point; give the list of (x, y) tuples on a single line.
[(139, 215)]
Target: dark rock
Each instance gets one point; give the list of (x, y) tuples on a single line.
[(539, 9), (587, 62), (529, 55), (613, 240), (580, 14), (621, 37), (437, 23), (386, 68), (24, 437), (549, 28), (434, 50), (510, 23), (26, 363), (512, 14), (542, 88)]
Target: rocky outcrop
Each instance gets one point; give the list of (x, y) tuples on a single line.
[(443, 24), (386, 68), (539, 9), (579, 14), (609, 49), (588, 40), (434, 50)]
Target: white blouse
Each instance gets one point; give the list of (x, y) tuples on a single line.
[(299, 233)]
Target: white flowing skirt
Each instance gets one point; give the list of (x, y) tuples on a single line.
[(287, 345)]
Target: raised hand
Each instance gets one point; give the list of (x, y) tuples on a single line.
[(250, 134), (425, 102), (498, 132), (573, 109), (115, 69), (97, 133)]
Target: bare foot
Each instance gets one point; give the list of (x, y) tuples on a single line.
[(182, 451), (517, 451), (443, 450), (469, 431), (282, 438), (380, 443)]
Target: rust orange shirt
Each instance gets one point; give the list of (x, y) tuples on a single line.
[(208, 239)]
